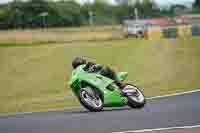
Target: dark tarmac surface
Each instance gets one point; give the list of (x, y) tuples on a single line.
[(181, 110)]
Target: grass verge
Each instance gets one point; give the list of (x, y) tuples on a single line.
[(34, 78)]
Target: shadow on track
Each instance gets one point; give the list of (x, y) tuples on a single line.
[(84, 111), (67, 112)]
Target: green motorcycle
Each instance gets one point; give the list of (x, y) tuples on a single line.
[(95, 91)]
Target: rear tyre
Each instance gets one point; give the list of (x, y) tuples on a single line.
[(90, 99), (137, 100)]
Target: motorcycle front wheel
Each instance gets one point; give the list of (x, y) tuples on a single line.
[(90, 99)]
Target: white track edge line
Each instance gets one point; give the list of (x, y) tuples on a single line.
[(175, 94), (159, 129), (50, 110)]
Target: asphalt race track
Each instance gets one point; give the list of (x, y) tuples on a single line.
[(180, 110)]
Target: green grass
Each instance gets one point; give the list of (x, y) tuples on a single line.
[(34, 78)]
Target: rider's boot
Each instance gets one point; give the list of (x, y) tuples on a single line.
[(120, 85)]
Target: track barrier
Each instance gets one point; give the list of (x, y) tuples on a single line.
[(181, 31), (196, 30), (154, 33)]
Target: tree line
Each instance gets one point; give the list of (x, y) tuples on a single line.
[(47, 13)]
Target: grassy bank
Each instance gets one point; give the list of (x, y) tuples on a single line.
[(34, 78), (59, 35)]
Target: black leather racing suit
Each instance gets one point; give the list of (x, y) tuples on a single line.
[(104, 70)]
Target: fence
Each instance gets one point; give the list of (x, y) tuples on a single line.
[(154, 33), (173, 31)]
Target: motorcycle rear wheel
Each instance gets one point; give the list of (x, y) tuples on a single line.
[(138, 100)]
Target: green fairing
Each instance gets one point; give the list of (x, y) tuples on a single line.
[(110, 92), (122, 75)]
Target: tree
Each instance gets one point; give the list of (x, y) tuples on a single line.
[(69, 13), (146, 8), (4, 17), (102, 12), (33, 10), (39, 13), (121, 12), (196, 4)]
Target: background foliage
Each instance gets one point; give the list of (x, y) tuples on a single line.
[(47, 13)]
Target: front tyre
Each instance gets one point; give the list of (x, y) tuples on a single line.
[(137, 100), (90, 99)]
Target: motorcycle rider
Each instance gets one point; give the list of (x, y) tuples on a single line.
[(92, 67)]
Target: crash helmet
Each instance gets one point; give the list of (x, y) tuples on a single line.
[(77, 62)]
